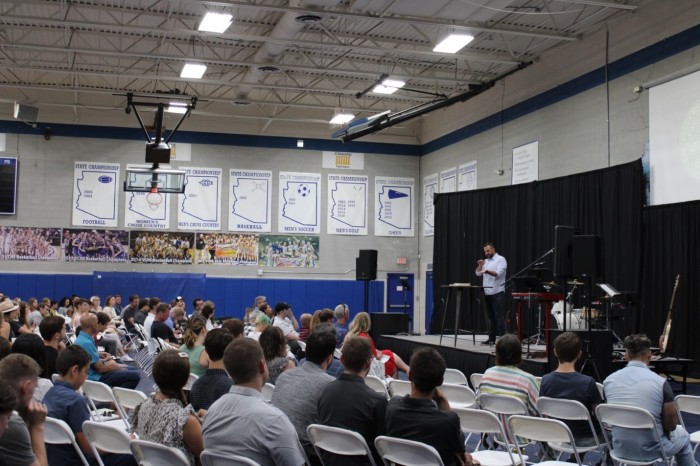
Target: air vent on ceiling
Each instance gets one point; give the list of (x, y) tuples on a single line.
[(268, 69)]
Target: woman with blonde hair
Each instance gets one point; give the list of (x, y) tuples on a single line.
[(359, 327), (193, 345)]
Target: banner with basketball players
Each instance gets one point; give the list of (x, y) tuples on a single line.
[(30, 243), (288, 251), (226, 248), (394, 206), (95, 188), (299, 203), (199, 208), (161, 247), (88, 245)]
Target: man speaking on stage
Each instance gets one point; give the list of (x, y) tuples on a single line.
[(493, 268)]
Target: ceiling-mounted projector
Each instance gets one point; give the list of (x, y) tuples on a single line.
[(157, 152)]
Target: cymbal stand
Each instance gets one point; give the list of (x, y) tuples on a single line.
[(589, 356)]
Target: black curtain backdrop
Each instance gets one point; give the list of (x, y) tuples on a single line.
[(520, 221), (672, 247)]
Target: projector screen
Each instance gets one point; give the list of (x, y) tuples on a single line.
[(674, 140)]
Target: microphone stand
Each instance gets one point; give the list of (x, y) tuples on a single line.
[(522, 271)]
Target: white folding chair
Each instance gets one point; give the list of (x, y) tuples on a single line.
[(57, 432), (267, 390), (601, 390), (190, 381), (399, 388), (614, 416), (302, 345), (154, 454), (128, 399), (475, 380), (209, 458), (479, 421), (377, 384), (98, 392), (459, 396), (401, 451), (689, 404), (54, 378), (504, 406), (107, 438), (338, 441), (337, 353), (454, 376), (568, 410), (540, 429)]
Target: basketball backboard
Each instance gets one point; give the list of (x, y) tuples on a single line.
[(141, 179)]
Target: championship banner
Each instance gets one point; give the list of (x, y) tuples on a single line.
[(226, 248), (86, 245), (430, 189), (289, 251), (95, 186), (347, 204), (199, 207), (448, 180), (138, 213), (394, 206), (148, 247), (299, 203), (30, 244), (466, 176), (250, 200)]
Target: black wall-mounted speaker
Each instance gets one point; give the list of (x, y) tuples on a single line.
[(366, 265)]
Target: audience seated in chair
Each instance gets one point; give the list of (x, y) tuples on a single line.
[(22, 443), (297, 390), (165, 417), (32, 345), (102, 367), (53, 331), (505, 378), (274, 348), (342, 318), (241, 422), (65, 403), (350, 404), (569, 384), (159, 328), (424, 415), (360, 326), (215, 382), (636, 385), (193, 344), (235, 326)]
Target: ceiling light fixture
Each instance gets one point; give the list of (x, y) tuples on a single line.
[(453, 43), (176, 107), (341, 117), (388, 86), (215, 22), (193, 71)]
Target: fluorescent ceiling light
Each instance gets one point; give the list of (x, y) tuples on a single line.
[(453, 43), (388, 86), (215, 22), (341, 118), (176, 107), (193, 71)]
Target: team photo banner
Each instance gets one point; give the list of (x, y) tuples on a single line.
[(30, 243), (147, 247), (87, 245), (289, 251), (226, 248)]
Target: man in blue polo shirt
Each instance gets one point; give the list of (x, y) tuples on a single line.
[(102, 367), (65, 403)]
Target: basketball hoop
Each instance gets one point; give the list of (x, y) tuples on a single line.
[(154, 198)]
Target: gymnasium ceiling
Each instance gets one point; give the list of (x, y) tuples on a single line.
[(281, 64)]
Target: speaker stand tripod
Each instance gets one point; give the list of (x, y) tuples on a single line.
[(589, 361)]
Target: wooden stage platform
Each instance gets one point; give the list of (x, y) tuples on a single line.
[(465, 356)]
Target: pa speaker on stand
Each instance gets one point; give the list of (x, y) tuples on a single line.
[(366, 270)]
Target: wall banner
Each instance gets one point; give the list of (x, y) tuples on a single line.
[(347, 204), (299, 203), (394, 204), (95, 186), (199, 208), (250, 200)]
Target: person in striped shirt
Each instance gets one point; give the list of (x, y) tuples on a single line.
[(505, 378)]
